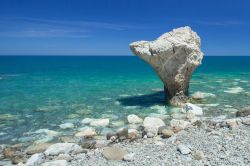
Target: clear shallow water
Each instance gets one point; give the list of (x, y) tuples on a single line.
[(44, 92)]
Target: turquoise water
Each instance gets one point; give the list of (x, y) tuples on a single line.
[(44, 92)]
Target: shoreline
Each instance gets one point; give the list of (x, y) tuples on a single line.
[(202, 141)]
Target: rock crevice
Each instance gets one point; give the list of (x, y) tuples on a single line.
[(174, 56)]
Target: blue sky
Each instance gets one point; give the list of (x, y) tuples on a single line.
[(106, 27)]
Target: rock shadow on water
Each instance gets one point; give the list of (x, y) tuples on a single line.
[(146, 100)]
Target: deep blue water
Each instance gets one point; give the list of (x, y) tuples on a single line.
[(46, 91)]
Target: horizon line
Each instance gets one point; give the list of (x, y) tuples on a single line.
[(105, 55)]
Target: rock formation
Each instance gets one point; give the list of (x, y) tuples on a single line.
[(174, 56)]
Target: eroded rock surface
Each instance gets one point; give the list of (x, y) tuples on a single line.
[(174, 56)]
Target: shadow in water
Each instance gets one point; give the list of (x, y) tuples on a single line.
[(147, 100)]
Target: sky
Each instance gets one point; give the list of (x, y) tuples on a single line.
[(106, 27)]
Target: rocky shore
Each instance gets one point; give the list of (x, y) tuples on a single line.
[(192, 140)]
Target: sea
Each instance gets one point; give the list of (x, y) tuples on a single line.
[(39, 93)]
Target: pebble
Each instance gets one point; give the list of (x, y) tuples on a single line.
[(198, 155), (56, 163), (122, 133), (166, 133), (129, 157), (114, 153), (183, 149), (179, 123), (132, 134)]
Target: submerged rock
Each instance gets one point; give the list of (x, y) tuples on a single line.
[(99, 122), (234, 90), (201, 95), (47, 131), (8, 117), (87, 121), (174, 56), (66, 125)]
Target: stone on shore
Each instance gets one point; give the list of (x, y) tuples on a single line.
[(56, 163), (243, 112), (198, 155), (183, 149), (99, 122), (63, 148), (232, 123), (133, 119), (86, 132), (66, 126), (129, 157), (174, 56), (132, 134), (35, 159), (151, 126), (193, 109), (179, 123), (166, 133), (122, 133), (37, 148), (114, 153), (66, 157)]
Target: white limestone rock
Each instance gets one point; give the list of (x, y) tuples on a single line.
[(86, 132), (193, 109), (183, 149), (133, 119), (35, 159), (179, 123), (174, 56), (63, 148), (151, 126)]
